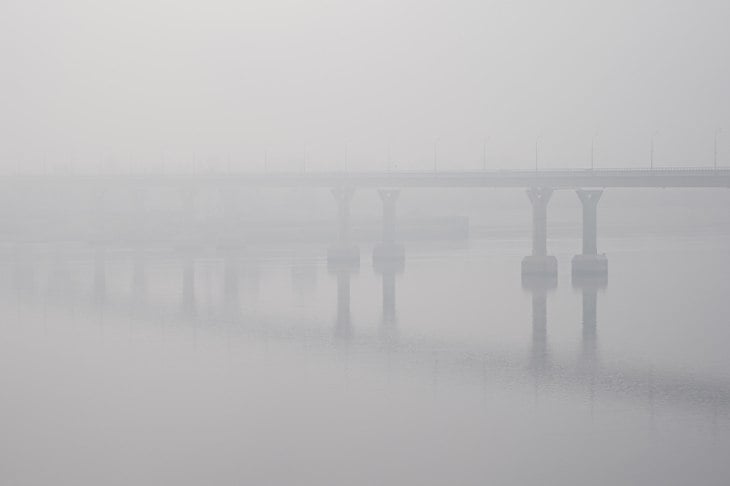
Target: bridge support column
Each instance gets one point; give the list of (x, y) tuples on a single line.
[(539, 262), (343, 251), (388, 270), (388, 249), (590, 262)]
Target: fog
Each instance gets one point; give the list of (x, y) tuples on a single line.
[(330, 242)]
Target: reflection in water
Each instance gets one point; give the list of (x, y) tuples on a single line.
[(624, 383), (343, 320), (231, 293), (538, 286), (189, 304), (388, 268)]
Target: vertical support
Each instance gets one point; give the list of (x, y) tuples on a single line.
[(343, 251), (539, 197), (389, 197), (539, 262), (187, 197), (388, 249), (188, 286), (99, 275), (343, 327), (590, 262), (343, 196), (589, 200), (139, 275)]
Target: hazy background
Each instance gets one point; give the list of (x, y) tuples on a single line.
[(126, 85)]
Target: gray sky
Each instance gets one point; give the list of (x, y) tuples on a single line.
[(146, 83)]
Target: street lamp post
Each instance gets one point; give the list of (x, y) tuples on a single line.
[(651, 155), (593, 151), (717, 132), (537, 153), (484, 155), (435, 153)]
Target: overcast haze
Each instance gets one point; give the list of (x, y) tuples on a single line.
[(202, 284), (141, 83)]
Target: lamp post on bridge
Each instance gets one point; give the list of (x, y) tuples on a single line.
[(651, 155), (593, 150), (435, 153), (537, 142), (717, 132), (484, 154)]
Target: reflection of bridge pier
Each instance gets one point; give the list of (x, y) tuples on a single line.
[(231, 295), (389, 269), (343, 321), (99, 275), (590, 262), (539, 263), (538, 286), (188, 304), (139, 275), (343, 251), (589, 285)]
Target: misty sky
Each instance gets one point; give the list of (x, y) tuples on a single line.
[(162, 83)]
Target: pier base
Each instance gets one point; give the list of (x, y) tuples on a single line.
[(389, 251), (590, 264), (540, 265), (343, 254)]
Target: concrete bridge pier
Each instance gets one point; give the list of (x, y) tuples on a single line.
[(590, 262), (343, 251), (388, 249), (539, 263), (99, 274), (139, 275), (189, 305)]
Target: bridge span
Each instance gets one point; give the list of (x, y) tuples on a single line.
[(540, 184), (553, 178)]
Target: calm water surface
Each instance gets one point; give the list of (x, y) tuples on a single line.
[(266, 367)]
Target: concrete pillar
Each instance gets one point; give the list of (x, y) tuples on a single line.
[(231, 286), (187, 196), (343, 325), (139, 275), (189, 306), (99, 275), (388, 270), (343, 197), (343, 250), (590, 261), (539, 262), (388, 249)]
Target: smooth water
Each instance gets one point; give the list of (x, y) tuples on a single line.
[(265, 367)]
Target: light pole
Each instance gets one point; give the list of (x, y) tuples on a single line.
[(484, 154), (651, 158), (390, 157), (537, 142), (346, 156), (304, 159), (266, 160), (717, 132), (593, 150), (435, 153)]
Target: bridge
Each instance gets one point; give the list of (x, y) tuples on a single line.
[(540, 184)]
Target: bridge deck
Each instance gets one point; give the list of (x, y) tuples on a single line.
[(555, 178)]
